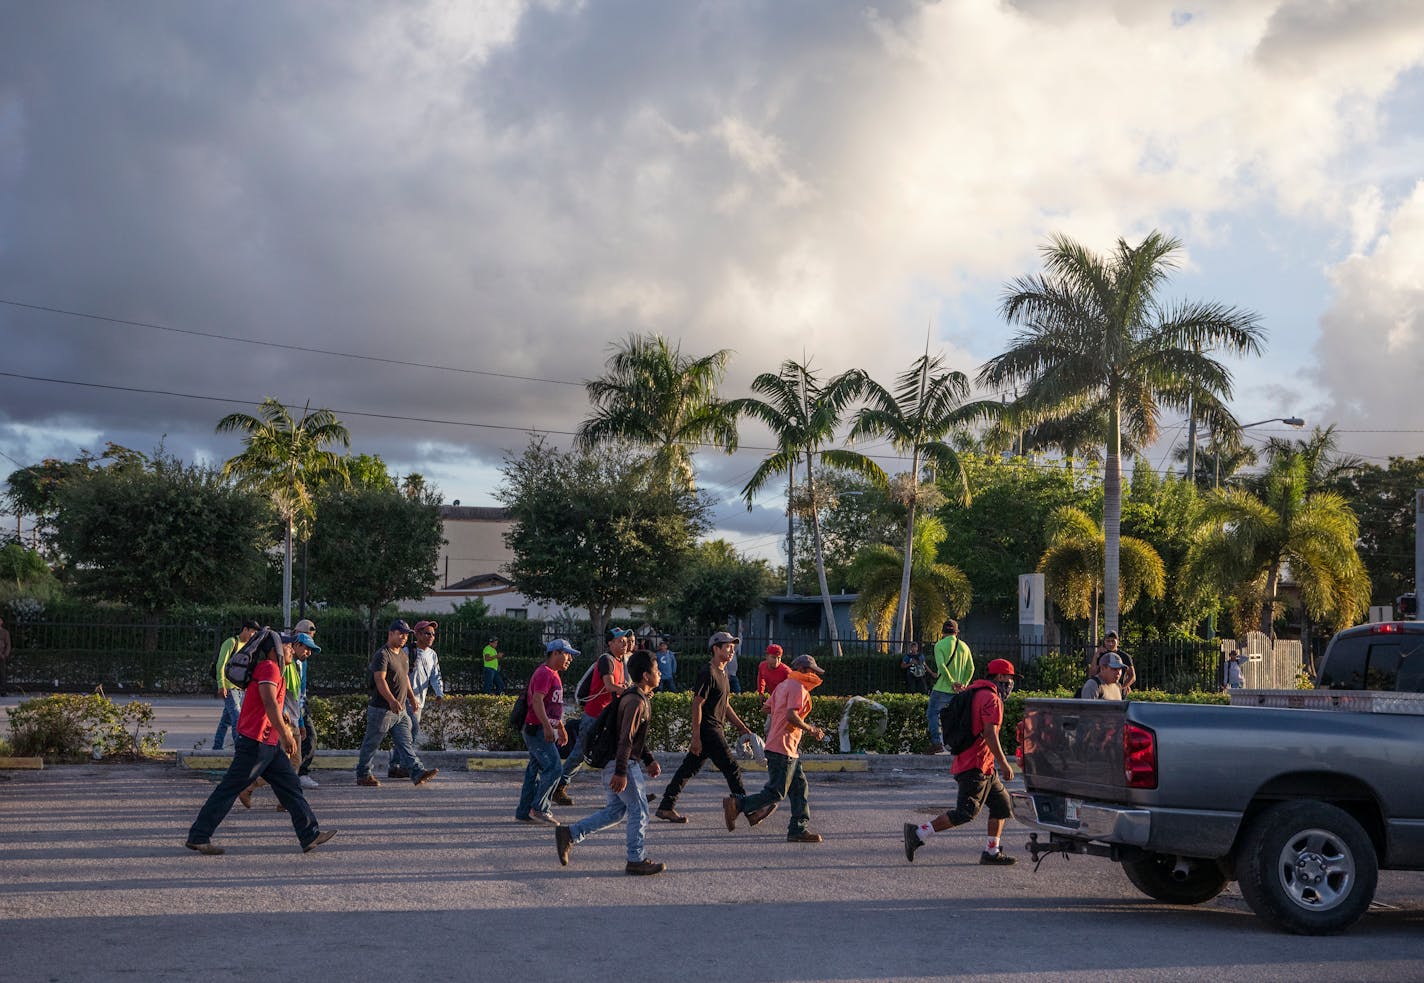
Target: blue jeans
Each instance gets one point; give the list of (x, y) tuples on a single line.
[(493, 681), (939, 699), (543, 772), (573, 764), (378, 722), (631, 802), (232, 706), (250, 761), (784, 779)]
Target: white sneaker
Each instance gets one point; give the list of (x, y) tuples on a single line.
[(308, 781), (547, 818)]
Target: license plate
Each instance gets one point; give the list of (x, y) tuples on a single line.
[(1070, 810)]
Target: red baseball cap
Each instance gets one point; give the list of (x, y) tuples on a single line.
[(773, 649), (1000, 667)]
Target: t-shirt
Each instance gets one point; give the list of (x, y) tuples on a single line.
[(491, 655), (987, 711), (781, 737), (252, 720), (954, 663), (1096, 689), (396, 668), (545, 685), (768, 678), (602, 694), (712, 685), (224, 654)]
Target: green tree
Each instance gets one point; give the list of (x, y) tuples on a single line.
[(159, 536), (34, 490), (715, 583), (287, 460), (653, 395), (596, 530), (368, 471), (1165, 512), (1072, 565), (1247, 540), (854, 512), (1383, 500), (803, 414), (936, 590), (927, 406), (1097, 334), (24, 573), (374, 546)]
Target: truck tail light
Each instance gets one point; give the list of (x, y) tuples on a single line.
[(1139, 756)]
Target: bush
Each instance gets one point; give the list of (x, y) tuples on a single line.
[(71, 727)]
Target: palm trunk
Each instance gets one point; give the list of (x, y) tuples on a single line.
[(287, 578), (791, 529), (1112, 517), (821, 563), (1268, 604), (902, 607)]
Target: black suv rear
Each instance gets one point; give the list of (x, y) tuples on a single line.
[(1388, 656)]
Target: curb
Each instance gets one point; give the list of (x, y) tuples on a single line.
[(21, 764)]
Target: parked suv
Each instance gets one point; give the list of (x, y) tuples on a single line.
[(1388, 657)]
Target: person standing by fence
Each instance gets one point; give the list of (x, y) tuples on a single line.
[(493, 682), (954, 669), (231, 695), (772, 671)]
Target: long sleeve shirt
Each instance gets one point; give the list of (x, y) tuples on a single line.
[(425, 676), (225, 653), (633, 717)]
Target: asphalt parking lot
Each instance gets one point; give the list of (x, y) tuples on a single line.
[(439, 883)]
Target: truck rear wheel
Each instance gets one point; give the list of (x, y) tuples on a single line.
[(1307, 867), (1153, 875)]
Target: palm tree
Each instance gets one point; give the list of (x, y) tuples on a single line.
[(655, 396), (1096, 334), (803, 415), (936, 590), (1247, 539), (926, 406), (1324, 467), (286, 459), (1073, 566)]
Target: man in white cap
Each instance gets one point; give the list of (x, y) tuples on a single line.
[(543, 732)]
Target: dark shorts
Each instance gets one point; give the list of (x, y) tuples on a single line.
[(976, 789)]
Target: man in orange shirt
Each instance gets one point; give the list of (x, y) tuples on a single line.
[(973, 770), (786, 721)]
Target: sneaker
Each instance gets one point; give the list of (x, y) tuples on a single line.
[(938, 749), (561, 796), (805, 836), (369, 781), (308, 781), (245, 797), (321, 838), (670, 816), (426, 776), (643, 868), (563, 843), (912, 841), (755, 817), (730, 809), (999, 859), (396, 771), (547, 818), (206, 849)]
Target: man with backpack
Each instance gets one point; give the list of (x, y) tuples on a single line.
[(608, 679), (977, 712), (231, 695), (954, 668), (711, 709), (262, 749), (618, 744), (388, 681)]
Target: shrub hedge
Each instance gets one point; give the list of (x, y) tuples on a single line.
[(68, 727)]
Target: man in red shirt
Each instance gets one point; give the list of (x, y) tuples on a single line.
[(772, 671), (974, 770), (264, 742), (609, 680), (543, 733)]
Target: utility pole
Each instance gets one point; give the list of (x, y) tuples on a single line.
[(790, 530)]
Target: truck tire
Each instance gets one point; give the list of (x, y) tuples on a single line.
[(1307, 867), (1152, 875)]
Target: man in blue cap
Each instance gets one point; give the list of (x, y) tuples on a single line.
[(543, 732), (388, 682)]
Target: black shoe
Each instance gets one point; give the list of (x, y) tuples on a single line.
[(321, 838), (670, 816), (396, 771), (207, 849), (996, 859), (644, 867), (563, 842), (912, 841)]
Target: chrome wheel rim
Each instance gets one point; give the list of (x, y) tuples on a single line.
[(1316, 869)]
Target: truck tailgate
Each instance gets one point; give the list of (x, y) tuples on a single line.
[(1074, 747)]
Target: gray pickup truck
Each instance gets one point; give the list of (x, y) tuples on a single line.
[(1301, 796)]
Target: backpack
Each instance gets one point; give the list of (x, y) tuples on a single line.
[(519, 711), (584, 691), (602, 743), (956, 721), (244, 659)]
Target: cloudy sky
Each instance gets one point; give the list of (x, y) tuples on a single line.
[(499, 189)]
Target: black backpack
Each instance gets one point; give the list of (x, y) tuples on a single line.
[(240, 665), (602, 743), (956, 721)]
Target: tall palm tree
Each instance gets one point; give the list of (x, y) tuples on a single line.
[(1073, 566), (1096, 333), (936, 590), (1247, 539), (287, 460), (1325, 467), (655, 396), (803, 414), (927, 405)]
